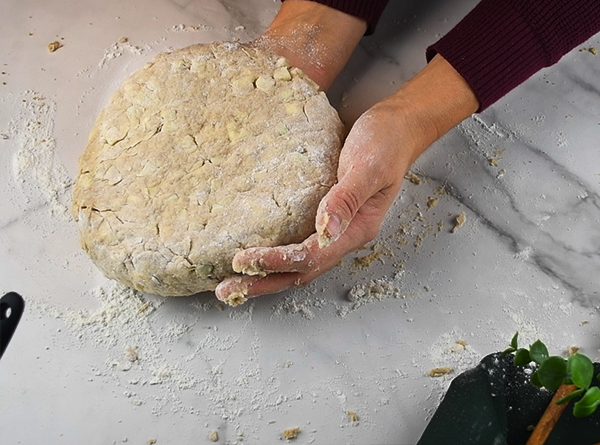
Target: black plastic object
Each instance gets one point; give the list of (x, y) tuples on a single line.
[(11, 309), (494, 403)]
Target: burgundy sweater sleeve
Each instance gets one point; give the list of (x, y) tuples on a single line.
[(370, 10), (501, 43)]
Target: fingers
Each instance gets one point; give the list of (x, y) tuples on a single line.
[(264, 260), (274, 269), (339, 207), (364, 170), (236, 290)]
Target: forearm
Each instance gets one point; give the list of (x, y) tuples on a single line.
[(314, 37), (427, 106)]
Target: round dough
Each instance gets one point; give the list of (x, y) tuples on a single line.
[(204, 151)]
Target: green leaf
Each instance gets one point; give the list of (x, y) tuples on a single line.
[(570, 396), (522, 357), (535, 380), (508, 351), (552, 372), (538, 352), (581, 370), (588, 403), (514, 343)]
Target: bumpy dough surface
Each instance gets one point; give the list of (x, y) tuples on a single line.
[(204, 151)]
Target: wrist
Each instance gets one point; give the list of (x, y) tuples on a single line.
[(430, 104), (315, 38)]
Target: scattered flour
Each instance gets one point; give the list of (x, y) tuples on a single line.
[(451, 353), (373, 291), (37, 171), (451, 350), (119, 48), (190, 28), (299, 302)]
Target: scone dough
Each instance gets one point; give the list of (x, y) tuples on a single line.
[(205, 151)]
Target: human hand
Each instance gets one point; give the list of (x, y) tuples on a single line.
[(379, 150), (371, 167)]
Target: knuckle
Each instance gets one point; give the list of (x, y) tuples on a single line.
[(370, 234), (348, 203)]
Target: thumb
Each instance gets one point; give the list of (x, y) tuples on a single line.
[(337, 209)]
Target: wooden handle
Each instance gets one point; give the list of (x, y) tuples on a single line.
[(550, 417)]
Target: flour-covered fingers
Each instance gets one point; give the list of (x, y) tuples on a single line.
[(236, 290), (303, 258)]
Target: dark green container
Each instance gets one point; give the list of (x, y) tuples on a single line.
[(495, 404)]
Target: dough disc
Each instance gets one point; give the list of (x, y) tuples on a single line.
[(205, 151)]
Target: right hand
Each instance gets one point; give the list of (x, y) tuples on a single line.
[(371, 168), (379, 150)]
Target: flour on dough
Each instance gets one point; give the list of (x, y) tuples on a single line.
[(203, 152)]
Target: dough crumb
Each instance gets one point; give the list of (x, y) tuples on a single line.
[(439, 372), (353, 417), (364, 262), (459, 346), (235, 299), (431, 202), (460, 221), (132, 354), (213, 436), (593, 50), (53, 46), (291, 433), (413, 178), (493, 161)]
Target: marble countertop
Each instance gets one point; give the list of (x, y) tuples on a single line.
[(95, 363)]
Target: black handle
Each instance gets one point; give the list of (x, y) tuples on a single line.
[(11, 309)]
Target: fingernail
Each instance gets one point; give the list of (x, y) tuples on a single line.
[(232, 291), (331, 231)]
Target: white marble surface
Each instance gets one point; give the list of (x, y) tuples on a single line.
[(526, 259)]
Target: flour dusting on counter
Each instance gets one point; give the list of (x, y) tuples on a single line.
[(119, 48), (37, 171)]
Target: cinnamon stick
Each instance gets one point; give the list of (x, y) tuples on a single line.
[(550, 417)]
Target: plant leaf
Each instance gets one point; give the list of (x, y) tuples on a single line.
[(538, 352), (581, 370), (535, 380), (522, 357), (570, 396), (588, 403), (514, 343), (552, 372), (508, 351)]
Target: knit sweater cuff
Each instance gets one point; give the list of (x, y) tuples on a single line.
[(368, 10), (494, 49), (499, 45)]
